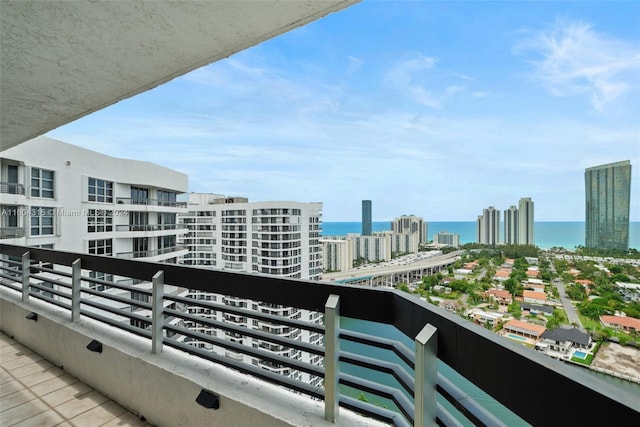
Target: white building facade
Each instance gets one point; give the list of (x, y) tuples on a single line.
[(525, 222), (337, 253), (409, 224), (511, 226), (488, 226), (274, 238), (57, 195), (371, 248), (445, 238)]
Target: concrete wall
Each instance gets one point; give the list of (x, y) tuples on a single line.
[(161, 387)]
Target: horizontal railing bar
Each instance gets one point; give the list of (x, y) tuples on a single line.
[(249, 351), (373, 411), (468, 406), (119, 325), (117, 298), (117, 285), (444, 417), (9, 285), (66, 285), (10, 277), (394, 394), (313, 327), (52, 270), (50, 300), (254, 333), (117, 311), (406, 381), (44, 288), (12, 262), (250, 369), (396, 346)]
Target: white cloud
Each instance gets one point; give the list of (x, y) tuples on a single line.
[(574, 59), (406, 76)]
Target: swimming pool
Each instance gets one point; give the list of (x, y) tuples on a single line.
[(580, 354), (516, 337)]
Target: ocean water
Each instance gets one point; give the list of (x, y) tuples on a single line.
[(567, 234)]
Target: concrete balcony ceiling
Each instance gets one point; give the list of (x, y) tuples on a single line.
[(62, 60)]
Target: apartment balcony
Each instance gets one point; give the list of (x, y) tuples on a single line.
[(11, 188), (149, 230), (442, 369), (151, 205), (154, 254), (11, 232), (12, 194)]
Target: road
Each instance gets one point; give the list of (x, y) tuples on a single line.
[(572, 315)]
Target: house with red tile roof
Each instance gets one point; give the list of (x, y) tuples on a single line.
[(538, 287), (532, 273), (524, 329), (534, 297), (502, 274), (624, 323), (501, 296)]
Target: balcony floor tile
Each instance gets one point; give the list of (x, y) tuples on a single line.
[(34, 392)]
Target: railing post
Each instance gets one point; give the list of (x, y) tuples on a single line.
[(76, 272), (331, 357), (26, 272), (157, 316), (426, 376)]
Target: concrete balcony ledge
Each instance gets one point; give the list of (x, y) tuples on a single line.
[(163, 387)]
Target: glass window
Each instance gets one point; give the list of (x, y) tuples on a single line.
[(41, 221), (41, 183), (101, 247), (100, 190), (99, 220)]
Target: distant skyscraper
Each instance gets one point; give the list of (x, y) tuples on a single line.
[(410, 224), (366, 218), (488, 226), (444, 238), (607, 199), (511, 226), (525, 222)]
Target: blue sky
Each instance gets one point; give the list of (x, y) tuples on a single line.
[(437, 109)]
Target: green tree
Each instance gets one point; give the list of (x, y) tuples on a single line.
[(515, 309), (511, 285)]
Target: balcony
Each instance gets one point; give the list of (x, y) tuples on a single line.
[(478, 378), (11, 232), (11, 188), (150, 253), (150, 227), (149, 202)]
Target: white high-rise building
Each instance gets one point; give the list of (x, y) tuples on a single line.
[(511, 226), (57, 195), (525, 222), (371, 248), (411, 224), (488, 226), (275, 238), (444, 238), (337, 253), (402, 243)]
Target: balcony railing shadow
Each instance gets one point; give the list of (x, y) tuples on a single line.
[(529, 384)]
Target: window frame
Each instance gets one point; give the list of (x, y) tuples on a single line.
[(37, 181), (99, 186), (36, 213)]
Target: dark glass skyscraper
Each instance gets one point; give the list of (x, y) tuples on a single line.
[(607, 200), (366, 218)]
